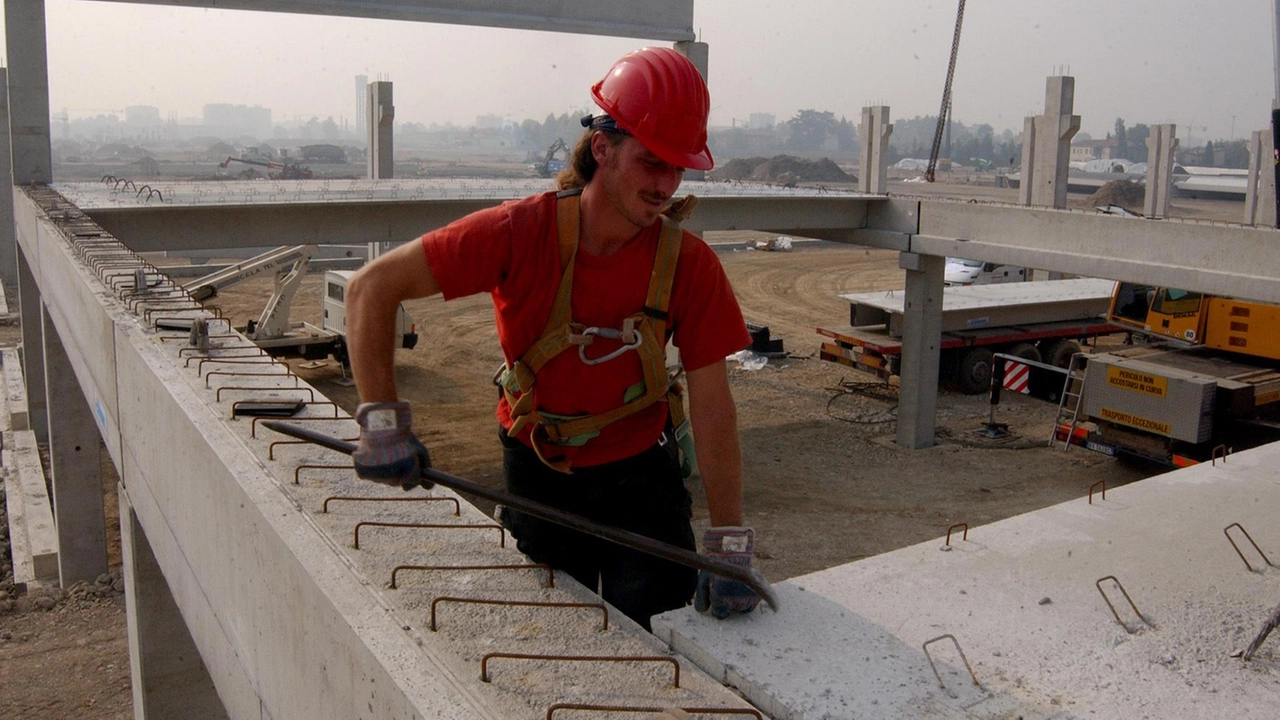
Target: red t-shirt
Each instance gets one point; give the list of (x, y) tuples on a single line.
[(512, 252)]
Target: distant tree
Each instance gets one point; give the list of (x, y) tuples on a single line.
[(1122, 143), (1236, 154), (1138, 143), (1208, 154), (810, 128)]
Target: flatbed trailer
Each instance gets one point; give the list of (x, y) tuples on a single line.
[(1037, 321), (967, 355)]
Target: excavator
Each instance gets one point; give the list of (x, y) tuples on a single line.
[(283, 171), (550, 165)]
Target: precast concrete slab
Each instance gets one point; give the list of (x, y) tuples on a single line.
[(286, 588), (1136, 605), (22, 462), (996, 305), (19, 547), (15, 390)]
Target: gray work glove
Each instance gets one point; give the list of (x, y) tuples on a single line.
[(720, 596), (388, 451)]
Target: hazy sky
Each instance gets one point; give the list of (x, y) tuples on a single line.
[(1204, 65)]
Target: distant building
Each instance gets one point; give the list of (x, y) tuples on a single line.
[(227, 120), (1087, 150), (761, 121), (489, 122), (142, 115)]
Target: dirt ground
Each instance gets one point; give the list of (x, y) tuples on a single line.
[(825, 483)]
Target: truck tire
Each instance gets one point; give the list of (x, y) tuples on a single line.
[(975, 371), (1026, 351), (1058, 351)]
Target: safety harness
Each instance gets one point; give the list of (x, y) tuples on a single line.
[(645, 332)]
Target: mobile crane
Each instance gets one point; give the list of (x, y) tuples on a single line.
[(1208, 383), (284, 171), (273, 331)]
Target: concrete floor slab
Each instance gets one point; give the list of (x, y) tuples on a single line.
[(1025, 600), (23, 462), (19, 547), (15, 390)]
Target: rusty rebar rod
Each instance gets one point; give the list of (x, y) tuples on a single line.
[(551, 574), (551, 711), (520, 603), (484, 661), (502, 542), (457, 507)]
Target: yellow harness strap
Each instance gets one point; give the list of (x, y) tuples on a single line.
[(561, 333)]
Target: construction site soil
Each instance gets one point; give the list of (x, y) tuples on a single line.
[(825, 483)]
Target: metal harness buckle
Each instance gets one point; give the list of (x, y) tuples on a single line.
[(628, 331)]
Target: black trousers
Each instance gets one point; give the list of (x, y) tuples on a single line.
[(644, 494)]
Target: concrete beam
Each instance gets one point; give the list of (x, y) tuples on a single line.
[(1230, 260), (75, 310), (658, 19), (183, 227)]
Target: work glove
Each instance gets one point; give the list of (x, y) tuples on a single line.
[(718, 595), (388, 451)]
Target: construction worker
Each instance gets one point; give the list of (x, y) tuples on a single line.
[(587, 286)]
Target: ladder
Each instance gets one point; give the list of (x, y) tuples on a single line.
[(1069, 401)]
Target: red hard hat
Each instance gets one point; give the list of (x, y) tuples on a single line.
[(657, 95)]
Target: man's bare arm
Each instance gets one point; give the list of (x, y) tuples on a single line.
[(373, 296)]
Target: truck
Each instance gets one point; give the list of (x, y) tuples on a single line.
[(273, 331), (1044, 321), (1206, 384)]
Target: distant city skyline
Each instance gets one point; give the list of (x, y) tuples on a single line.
[(1208, 67)]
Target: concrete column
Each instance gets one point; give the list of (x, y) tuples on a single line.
[(1053, 133), (28, 91), (170, 679), (8, 239), (1028, 165), (382, 115), (921, 338), (873, 141), (76, 468), (1260, 197), (1161, 144), (699, 53), (32, 347)]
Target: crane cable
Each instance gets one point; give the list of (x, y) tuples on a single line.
[(946, 97)]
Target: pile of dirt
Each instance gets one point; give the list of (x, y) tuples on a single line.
[(1125, 193), (783, 169)]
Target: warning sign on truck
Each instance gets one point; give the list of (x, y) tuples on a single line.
[(1136, 421), (1140, 382)]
